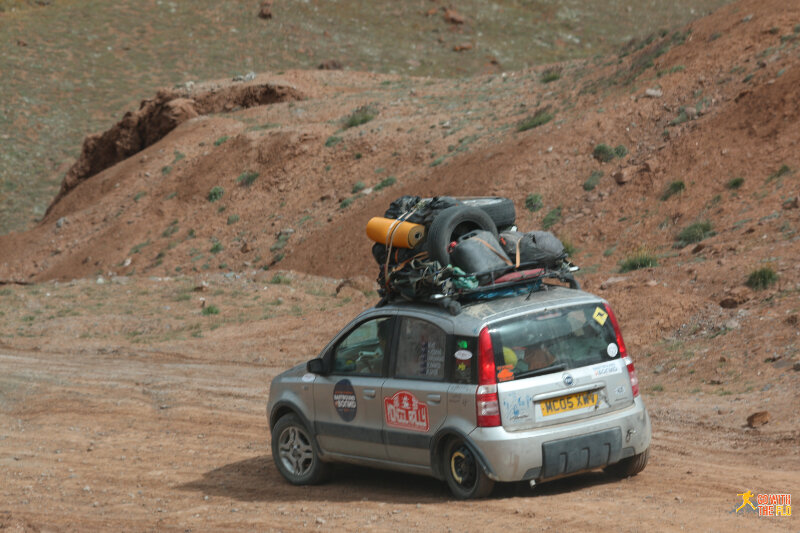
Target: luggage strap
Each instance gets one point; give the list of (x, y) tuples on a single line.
[(498, 254)]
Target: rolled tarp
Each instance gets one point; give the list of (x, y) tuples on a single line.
[(401, 234)]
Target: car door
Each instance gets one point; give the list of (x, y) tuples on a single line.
[(414, 396), (347, 405)]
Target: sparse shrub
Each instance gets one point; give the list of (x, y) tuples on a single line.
[(166, 170), (620, 151), (210, 310), (233, 219), (221, 140), (594, 178), (784, 170), (346, 203), (171, 229), (603, 153), (360, 116), (216, 248), (637, 260), (735, 183), (247, 178), (333, 140), (540, 117), (438, 161), (283, 240), (533, 202), (672, 189), (681, 118), (694, 233), (215, 193), (358, 187), (385, 182), (279, 279), (551, 74), (551, 218), (761, 279), (139, 196)]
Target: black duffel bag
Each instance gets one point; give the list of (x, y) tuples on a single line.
[(539, 249)]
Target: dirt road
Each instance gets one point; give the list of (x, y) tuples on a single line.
[(142, 440)]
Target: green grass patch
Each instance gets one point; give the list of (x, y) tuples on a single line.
[(358, 187), (676, 187), (540, 117), (216, 248), (533, 202), (735, 183), (280, 279), (233, 219), (139, 196), (603, 153), (385, 182), (347, 202), (215, 193), (783, 171), (247, 178), (551, 218), (333, 140), (221, 140), (280, 244), (210, 310), (550, 75), (594, 178), (172, 229), (360, 116), (620, 151), (637, 260), (762, 278), (694, 233)]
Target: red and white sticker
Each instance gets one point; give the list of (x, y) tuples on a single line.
[(403, 410)]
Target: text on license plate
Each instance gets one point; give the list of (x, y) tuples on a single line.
[(569, 403)]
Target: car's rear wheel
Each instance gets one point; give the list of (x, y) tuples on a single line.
[(463, 472), (630, 466), (295, 452)]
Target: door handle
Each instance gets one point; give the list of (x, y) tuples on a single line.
[(369, 393), (435, 397)]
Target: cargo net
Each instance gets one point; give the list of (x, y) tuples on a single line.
[(446, 249)]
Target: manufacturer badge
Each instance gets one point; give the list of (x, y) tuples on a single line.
[(568, 381)]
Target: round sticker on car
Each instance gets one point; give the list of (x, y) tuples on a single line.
[(344, 399), (463, 355), (612, 350)]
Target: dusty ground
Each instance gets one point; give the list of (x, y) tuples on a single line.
[(124, 407)]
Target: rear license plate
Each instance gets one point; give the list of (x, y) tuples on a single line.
[(569, 403)]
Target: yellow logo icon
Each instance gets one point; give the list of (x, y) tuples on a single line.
[(746, 500), (600, 316)]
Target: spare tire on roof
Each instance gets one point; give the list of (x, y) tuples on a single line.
[(500, 209), (452, 223)]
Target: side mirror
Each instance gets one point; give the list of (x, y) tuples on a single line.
[(317, 366)]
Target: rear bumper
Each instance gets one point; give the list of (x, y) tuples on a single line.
[(555, 451)]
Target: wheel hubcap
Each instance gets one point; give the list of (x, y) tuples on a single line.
[(295, 451), (463, 467)]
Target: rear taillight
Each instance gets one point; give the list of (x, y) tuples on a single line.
[(623, 352), (486, 401)]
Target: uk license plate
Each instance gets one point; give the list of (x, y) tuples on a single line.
[(569, 403)]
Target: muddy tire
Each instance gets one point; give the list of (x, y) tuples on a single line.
[(464, 474), (630, 466), (500, 210), (295, 453), (451, 224)]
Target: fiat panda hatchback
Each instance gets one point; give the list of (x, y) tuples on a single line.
[(531, 387)]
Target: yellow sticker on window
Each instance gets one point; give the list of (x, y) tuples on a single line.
[(600, 316)]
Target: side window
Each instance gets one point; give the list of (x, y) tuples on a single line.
[(420, 350), (362, 351)]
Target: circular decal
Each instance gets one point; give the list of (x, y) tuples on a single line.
[(568, 381), (307, 377), (463, 355), (344, 399), (612, 350)]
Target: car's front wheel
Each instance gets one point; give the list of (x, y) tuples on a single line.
[(463, 472), (295, 452)]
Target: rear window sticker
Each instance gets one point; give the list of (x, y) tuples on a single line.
[(462, 344), (605, 369), (463, 355), (612, 350), (404, 411), (344, 400), (600, 316), (308, 377), (504, 373)]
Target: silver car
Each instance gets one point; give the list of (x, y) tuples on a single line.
[(531, 387)]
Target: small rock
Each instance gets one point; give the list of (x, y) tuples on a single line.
[(611, 281), (691, 113), (265, 11), (202, 287), (698, 248), (658, 369), (651, 166), (651, 283), (623, 175), (330, 64), (794, 203), (723, 359), (320, 520), (245, 248), (100, 280), (758, 419), (127, 262), (714, 382), (87, 488), (453, 17), (163, 406), (60, 222), (250, 76), (654, 93), (463, 47), (796, 366), (731, 324)]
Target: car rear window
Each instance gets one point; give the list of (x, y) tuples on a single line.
[(553, 340)]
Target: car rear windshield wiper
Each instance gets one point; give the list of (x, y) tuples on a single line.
[(541, 371)]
